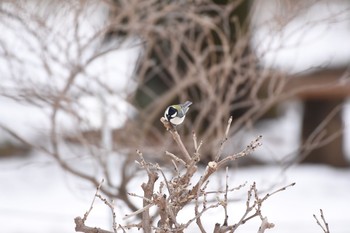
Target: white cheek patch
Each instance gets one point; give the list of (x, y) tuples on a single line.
[(174, 115)]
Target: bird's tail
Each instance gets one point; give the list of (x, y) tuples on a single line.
[(187, 104)]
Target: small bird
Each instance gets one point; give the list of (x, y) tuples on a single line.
[(175, 114)]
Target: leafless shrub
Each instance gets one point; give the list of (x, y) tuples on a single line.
[(48, 62), (170, 196)]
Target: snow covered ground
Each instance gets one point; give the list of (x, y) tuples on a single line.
[(37, 196)]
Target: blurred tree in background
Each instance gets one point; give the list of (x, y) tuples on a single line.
[(196, 50), (201, 51), (188, 50)]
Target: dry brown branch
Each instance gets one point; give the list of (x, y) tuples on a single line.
[(175, 158), (111, 207), (196, 145), (138, 211), (177, 139), (324, 224), (224, 139), (80, 222), (173, 195), (181, 194), (93, 201), (80, 227), (250, 148), (148, 193), (198, 219), (225, 202), (256, 207), (265, 225)]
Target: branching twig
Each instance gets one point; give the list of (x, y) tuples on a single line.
[(250, 148), (177, 139), (93, 201), (148, 193), (195, 143), (257, 206), (224, 139), (325, 228), (111, 206), (80, 227), (174, 157), (80, 222)]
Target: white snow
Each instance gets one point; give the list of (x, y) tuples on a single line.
[(317, 37), (37, 196)]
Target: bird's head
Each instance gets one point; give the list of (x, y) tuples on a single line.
[(172, 111)]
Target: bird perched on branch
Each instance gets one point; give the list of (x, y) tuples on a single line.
[(175, 114)]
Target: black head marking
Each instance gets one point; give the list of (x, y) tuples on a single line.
[(172, 112)]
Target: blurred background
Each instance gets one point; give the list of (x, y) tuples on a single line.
[(84, 84)]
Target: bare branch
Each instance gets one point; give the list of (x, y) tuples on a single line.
[(250, 148), (325, 226), (177, 138), (174, 157), (224, 139), (265, 225), (148, 193), (93, 201), (80, 227), (111, 206)]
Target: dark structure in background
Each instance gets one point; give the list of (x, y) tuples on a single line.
[(323, 94), (156, 80), (315, 111), (196, 49)]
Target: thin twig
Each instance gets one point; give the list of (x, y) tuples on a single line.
[(80, 222), (148, 193), (80, 227), (196, 208), (325, 228), (111, 206), (138, 211), (249, 149), (195, 143), (224, 139), (174, 157), (164, 178), (277, 191), (177, 139), (93, 201), (225, 202), (229, 190)]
